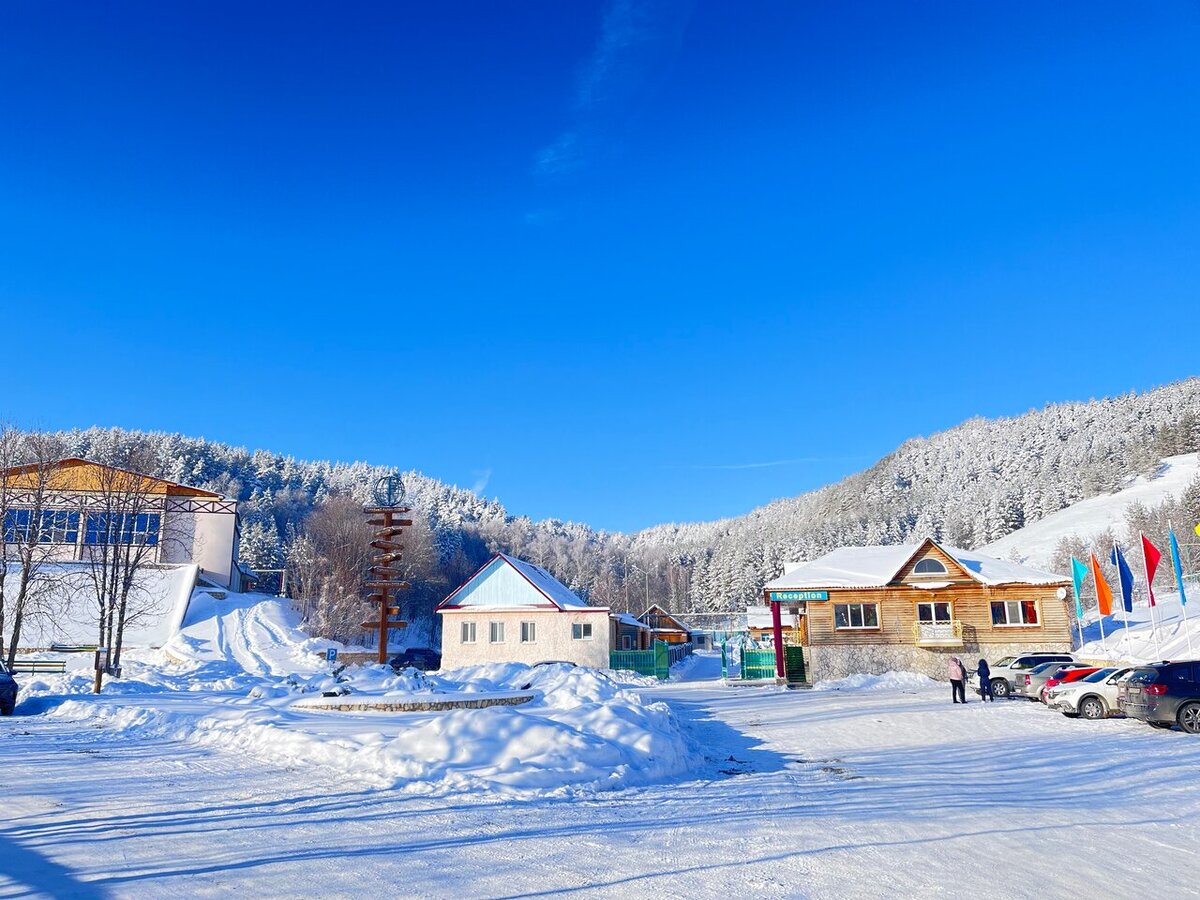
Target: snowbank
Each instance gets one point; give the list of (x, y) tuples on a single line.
[(1176, 639), (890, 682), (582, 732)]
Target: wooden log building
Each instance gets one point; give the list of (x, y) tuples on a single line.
[(910, 607)]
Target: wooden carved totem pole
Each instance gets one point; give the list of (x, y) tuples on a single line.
[(385, 580)]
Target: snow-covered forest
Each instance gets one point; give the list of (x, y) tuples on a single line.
[(966, 486)]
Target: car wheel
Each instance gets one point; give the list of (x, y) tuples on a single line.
[(1070, 715), (1000, 688), (6, 709), (1092, 708), (1189, 718)]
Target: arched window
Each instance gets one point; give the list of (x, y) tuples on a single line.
[(929, 566)]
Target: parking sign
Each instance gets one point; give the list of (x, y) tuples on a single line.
[(331, 654)]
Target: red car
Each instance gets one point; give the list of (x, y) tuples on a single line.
[(1066, 678)]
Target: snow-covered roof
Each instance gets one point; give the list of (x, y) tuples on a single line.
[(868, 567), (507, 582), (631, 621)]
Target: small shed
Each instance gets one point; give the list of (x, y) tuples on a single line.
[(665, 626), (630, 633)]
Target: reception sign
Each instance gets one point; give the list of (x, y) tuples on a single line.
[(798, 596)]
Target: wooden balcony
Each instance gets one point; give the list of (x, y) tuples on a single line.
[(940, 634)]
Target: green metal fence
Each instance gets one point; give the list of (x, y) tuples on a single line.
[(757, 664), (655, 662)]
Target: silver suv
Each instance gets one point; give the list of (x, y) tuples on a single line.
[(1005, 671)]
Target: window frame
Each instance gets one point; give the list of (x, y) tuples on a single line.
[(1023, 606), (52, 532), (468, 628), (529, 632), (495, 628), (940, 570), (862, 616), (934, 604), (582, 631)]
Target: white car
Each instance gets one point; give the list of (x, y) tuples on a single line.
[(1093, 697), (1005, 672)]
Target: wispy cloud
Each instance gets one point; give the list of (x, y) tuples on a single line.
[(482, 477), (638, 39)]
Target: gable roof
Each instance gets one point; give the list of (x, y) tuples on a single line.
[(549, 587), (875, 567), (674, 618), (76, 474)]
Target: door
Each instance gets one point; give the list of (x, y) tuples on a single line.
[(935, 621)]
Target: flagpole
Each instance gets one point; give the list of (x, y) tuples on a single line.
[(1124, 611), (1100, 619), (1177, 565)]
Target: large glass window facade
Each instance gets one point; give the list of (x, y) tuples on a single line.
[(122, 528)]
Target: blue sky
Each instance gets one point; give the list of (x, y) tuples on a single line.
[(619, 262)]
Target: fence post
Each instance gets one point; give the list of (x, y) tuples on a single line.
[(662, 660)]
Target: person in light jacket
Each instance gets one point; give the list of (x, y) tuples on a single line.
[(958, 674), (985, 681)]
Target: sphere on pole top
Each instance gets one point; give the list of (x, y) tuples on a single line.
[(389, 491)]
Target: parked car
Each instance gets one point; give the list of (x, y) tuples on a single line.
[(8, 691), (1030, 684), (1066, 676), (1093, 697), (1163, 694), (422, 658), (1006, 670)]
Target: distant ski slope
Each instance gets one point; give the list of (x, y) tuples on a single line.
[(1034, 544)]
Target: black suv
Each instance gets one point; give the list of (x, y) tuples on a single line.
[(421, 658), (8, 691), (1163, 694)]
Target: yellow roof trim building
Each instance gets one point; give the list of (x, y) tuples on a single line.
[(85, 476)]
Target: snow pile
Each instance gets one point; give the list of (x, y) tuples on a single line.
[(1035, 544), (582, 731), (890, 682), (1176, 639)]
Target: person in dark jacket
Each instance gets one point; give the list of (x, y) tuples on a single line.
[(985, 681)]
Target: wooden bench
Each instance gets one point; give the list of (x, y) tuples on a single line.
[(39, 666)]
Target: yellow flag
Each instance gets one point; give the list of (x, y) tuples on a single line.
[(1198, 528)]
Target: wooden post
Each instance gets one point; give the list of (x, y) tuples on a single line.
[(384, 580), (777, 628)]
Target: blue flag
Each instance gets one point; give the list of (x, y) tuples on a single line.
[(1126, 576), (1079, 574), (1178, 568)]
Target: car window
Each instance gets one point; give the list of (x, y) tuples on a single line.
[(1177, 674), (1097, 676), (1143, 676), (1119, 676), (1004, 661)]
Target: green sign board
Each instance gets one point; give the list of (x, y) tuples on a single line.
[(798, 596)]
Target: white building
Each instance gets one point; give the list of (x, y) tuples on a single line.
[(182, 525), (513, 611)]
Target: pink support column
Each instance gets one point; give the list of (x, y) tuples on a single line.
[(777, 629)]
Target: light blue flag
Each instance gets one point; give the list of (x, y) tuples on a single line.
[(1178, 568), (1079, 574)]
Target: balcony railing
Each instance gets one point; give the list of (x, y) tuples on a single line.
[(938, 634)]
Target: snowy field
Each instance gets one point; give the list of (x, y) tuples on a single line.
[(880, 789)]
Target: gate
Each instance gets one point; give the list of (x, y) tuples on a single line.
[(793, 664), (757, 664)]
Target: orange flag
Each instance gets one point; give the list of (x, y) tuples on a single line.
[(1103, 591)]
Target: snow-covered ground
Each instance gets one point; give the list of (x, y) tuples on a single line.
[(879, 790), (1034, 545)]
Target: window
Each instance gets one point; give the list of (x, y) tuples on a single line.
[(496, 632), (856, 615), (528, 632), (468, 632), (122, 528), (1014, 613), (59, 526), (17, 524), (626, 642), (581, 631), (933, 613), (929, 566)]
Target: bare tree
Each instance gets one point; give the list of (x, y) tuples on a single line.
[(32, 528), (125, 527), (327, 565)]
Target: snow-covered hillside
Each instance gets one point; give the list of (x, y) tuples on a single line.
[(1151, 634), (1034, 544)]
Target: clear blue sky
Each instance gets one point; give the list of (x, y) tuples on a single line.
[(619, 262)]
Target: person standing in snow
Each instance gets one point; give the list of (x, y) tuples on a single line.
[(958, 672), (985, 681)]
